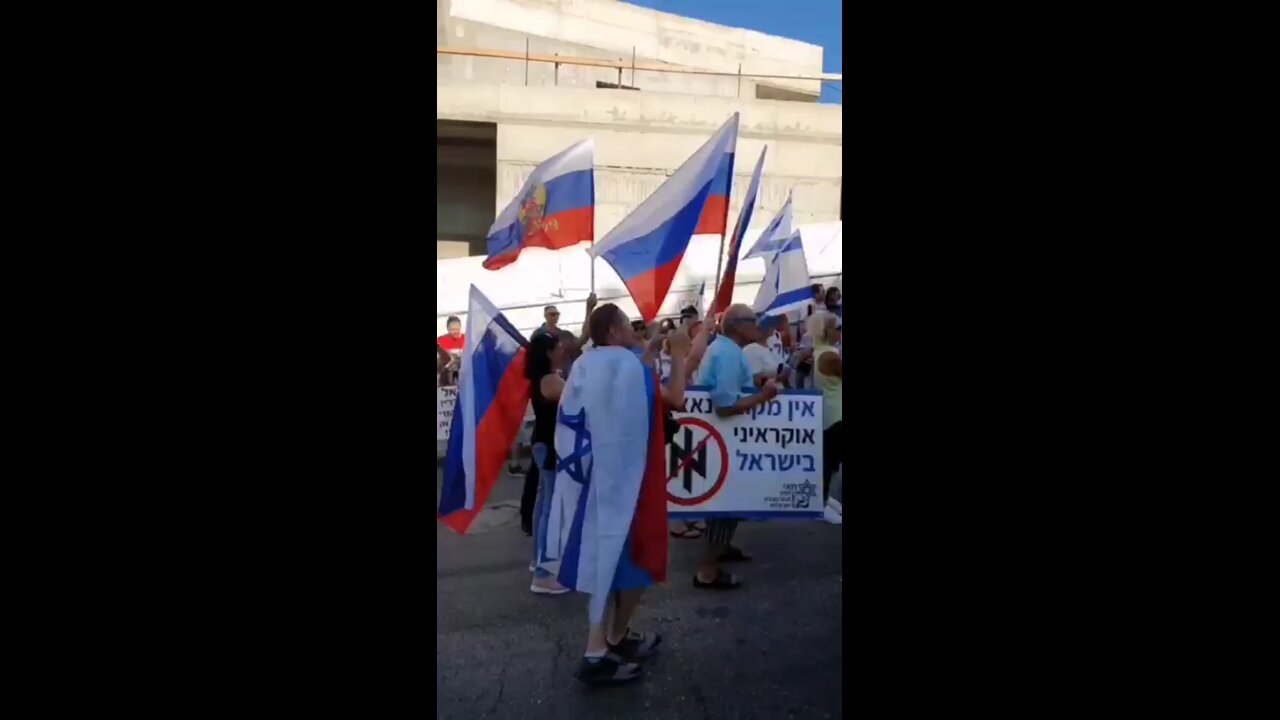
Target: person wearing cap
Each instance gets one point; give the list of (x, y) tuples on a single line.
[(725, 371)]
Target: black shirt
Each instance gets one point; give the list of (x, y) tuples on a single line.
[(544, 422)]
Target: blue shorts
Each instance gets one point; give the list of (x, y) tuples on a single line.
[(630, 576)]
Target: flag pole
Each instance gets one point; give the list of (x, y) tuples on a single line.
[(720, 256), (725, 227), (719, 264)]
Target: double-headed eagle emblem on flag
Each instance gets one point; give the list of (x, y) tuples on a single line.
[(533, 211)]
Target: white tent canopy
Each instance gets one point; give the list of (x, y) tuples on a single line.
[(563, 278)]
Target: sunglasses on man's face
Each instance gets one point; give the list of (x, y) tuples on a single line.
[(554, 312)]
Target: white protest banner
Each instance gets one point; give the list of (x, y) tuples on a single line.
[(446, 397), (764, 464)]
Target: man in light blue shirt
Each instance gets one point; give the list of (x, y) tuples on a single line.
[(725, 371)]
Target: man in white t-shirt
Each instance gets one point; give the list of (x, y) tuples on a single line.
[(773, 341), (762, 361)]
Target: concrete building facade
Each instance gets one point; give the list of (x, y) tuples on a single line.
[(497, 117)]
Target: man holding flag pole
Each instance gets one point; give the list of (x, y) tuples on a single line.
[(609, 503)]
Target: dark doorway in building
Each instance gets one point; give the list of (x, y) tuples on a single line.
[(466, 186)]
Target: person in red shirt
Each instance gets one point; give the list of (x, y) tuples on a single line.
[(453, 341)]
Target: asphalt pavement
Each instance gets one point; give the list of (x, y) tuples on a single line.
[(770, 650)]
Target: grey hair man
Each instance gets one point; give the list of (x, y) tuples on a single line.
[(725, 371)]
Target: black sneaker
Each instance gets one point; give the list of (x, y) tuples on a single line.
[(608, 670), (636, 646)]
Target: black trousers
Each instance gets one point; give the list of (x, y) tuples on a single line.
[(832, 456), (529, 496), (720, 531)]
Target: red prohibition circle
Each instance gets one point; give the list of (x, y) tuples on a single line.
[(724, 464)]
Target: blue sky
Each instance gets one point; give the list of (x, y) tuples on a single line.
[(813, 21)]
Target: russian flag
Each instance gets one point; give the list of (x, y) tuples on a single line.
[(725, 294), (645, 249), (493, 393), (554, 209), (774, 236), (786, 281), (715, 212)]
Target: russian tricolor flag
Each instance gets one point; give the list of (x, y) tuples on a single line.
[(555, 209), (493, 393), (714, 219), (645, 249), (725, 294)]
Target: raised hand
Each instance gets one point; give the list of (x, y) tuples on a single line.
[(680, 342), (656, 336)]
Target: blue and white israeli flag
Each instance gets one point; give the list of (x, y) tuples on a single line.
[(786, 281)]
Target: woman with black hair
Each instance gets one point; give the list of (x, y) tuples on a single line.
[(546, 355)]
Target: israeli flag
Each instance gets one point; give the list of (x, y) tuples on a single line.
[(775, 235), (786, 281), (602, 438)]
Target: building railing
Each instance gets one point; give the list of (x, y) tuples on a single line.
[(602, 299), (621, 65)]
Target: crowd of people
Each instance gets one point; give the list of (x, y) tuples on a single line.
[(726, 354)]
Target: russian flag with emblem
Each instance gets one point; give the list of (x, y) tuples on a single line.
[(493, 394), (646, 248), (554, 209)]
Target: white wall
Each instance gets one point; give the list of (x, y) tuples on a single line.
[(611, 30), (641, 138)]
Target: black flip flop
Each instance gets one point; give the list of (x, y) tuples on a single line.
[(723, 581)]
